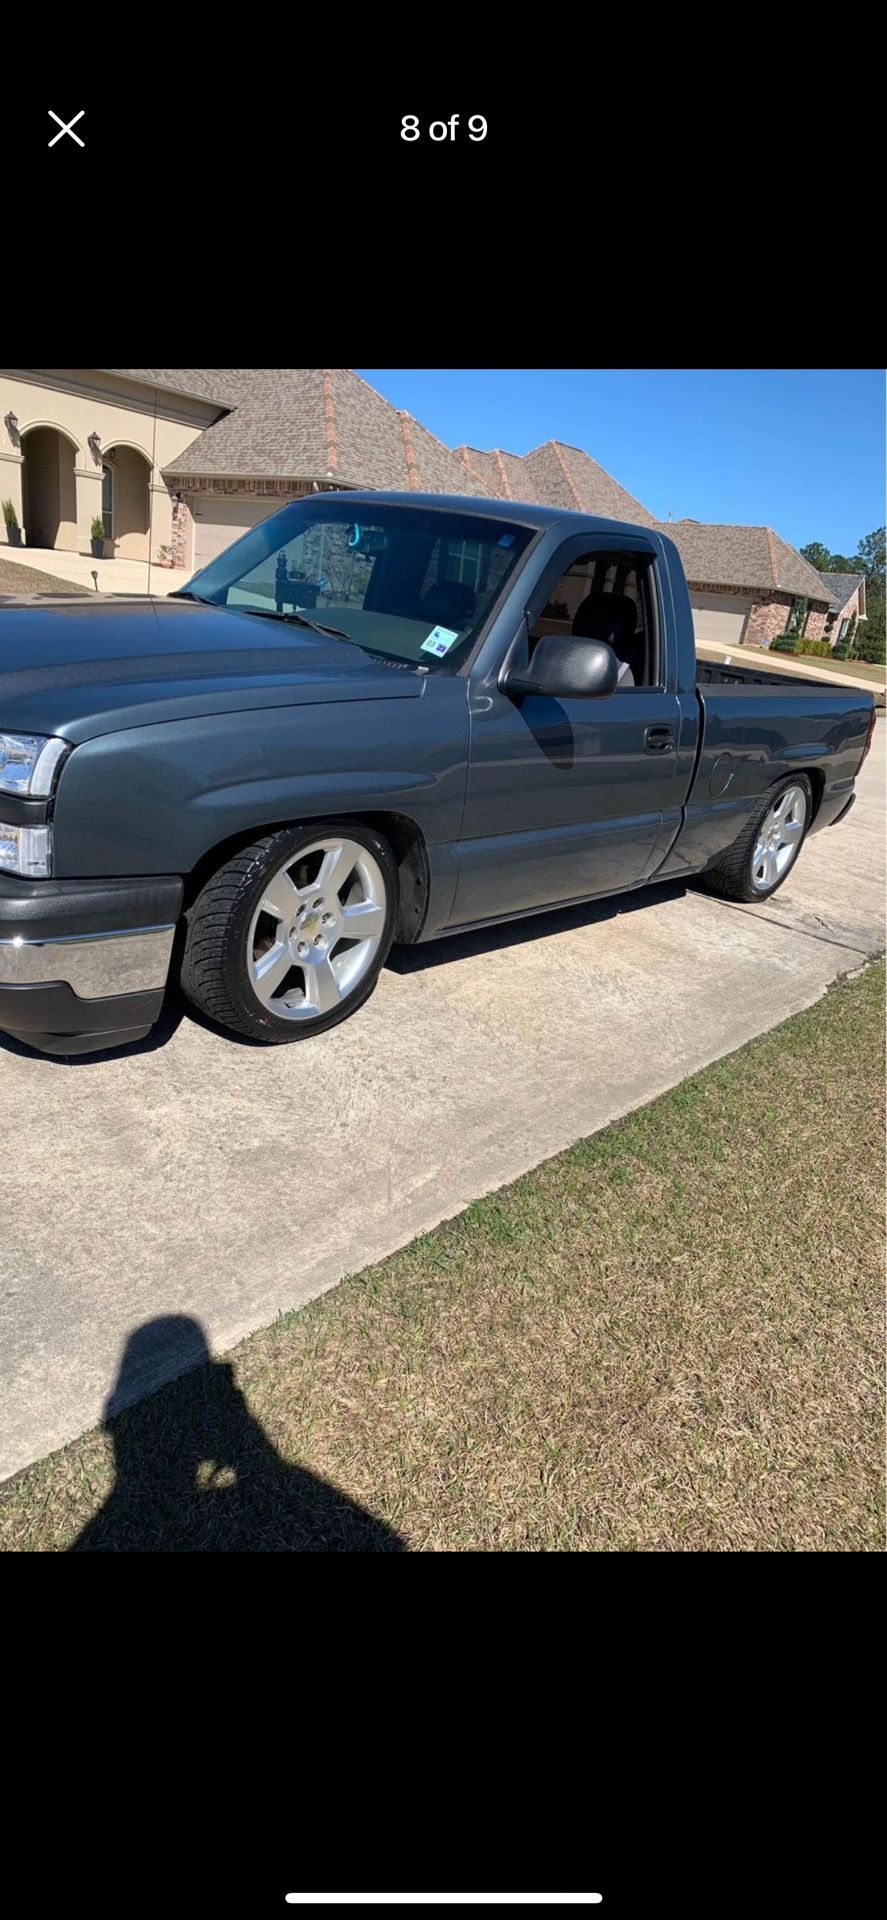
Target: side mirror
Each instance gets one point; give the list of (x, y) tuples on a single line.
[(566, 668)]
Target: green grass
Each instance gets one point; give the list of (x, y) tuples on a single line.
[(858, 669), (667, 1338)]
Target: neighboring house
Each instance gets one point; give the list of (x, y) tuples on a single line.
[(190, 458), (745, 583), (847, 591)]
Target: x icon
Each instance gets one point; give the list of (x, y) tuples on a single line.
[(66, 128)]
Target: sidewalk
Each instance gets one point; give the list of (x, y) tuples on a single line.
[(113, 576)]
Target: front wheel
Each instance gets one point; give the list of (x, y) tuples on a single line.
[(763, 856), (289, 936)]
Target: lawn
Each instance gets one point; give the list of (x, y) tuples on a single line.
[(857, 669), (667, 1338)]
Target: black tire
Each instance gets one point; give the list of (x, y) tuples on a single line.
[(214, 970), (731, 875)]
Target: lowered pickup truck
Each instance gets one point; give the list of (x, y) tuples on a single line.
[(375, 718)]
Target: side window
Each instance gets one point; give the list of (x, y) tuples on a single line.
[(607, 596)]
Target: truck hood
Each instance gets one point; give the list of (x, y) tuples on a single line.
[(80, 667)]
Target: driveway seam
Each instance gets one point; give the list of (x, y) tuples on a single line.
[(806, 933)]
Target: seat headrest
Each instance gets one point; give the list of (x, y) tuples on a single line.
[(612, 617)]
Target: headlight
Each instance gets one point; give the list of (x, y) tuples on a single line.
[(29, 763)]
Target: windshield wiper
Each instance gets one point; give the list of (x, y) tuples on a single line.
[(184, 593), (299, 620)]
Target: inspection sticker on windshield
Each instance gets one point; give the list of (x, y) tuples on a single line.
[(439, 641)]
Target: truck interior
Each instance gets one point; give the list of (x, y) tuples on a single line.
[(606, 596)]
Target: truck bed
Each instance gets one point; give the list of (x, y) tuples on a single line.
[(713, 673)]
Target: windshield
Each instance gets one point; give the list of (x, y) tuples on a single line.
[(411, 583)]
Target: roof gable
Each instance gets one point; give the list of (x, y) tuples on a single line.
[(841, 587), (556, 475)]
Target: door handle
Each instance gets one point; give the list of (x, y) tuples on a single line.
[(659, 740)]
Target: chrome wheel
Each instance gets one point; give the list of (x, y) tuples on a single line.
[(317, 929), (779, 839)]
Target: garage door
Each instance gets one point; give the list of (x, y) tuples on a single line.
[(218, 521), (719, 619)]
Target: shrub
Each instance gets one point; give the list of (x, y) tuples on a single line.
[(97, 529), (797, 616), (9, 514), (784, 643), (870, 642), (820, 647)]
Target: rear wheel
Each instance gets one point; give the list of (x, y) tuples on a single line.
[(763, 856), (289, 936)]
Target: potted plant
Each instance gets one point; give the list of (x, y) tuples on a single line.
[(97, 538), (164, 555), (13, 530)]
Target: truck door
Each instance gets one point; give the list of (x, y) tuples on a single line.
[(567, 799)]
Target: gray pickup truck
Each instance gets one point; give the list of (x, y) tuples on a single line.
[(375, 718)]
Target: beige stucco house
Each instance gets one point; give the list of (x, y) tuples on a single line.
[(79, 444), (180, 461)]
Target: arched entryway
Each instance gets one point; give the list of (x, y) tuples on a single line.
[(126, 501), (49, 489)]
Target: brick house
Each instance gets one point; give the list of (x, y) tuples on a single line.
[(187, 459), (847, 591)]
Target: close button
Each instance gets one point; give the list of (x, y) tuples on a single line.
[(66, 127)]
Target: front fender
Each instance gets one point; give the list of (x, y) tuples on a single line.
[(158, 799)]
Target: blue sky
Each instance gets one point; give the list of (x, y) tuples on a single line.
[(800, 451)]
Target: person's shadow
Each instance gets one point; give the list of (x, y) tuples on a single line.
[(196, 1473)]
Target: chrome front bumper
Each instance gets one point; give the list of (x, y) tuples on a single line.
[(84, 965), (94, 965)]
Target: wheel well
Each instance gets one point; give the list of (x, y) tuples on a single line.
[(405, 839), (816, 778)]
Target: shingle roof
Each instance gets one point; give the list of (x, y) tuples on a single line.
[(327, 424), (556, 475), (559, 475), (222, 384), (742, 557), (841, 587), (323, 423)]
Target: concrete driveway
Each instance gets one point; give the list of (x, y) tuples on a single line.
[(206, 1177)]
